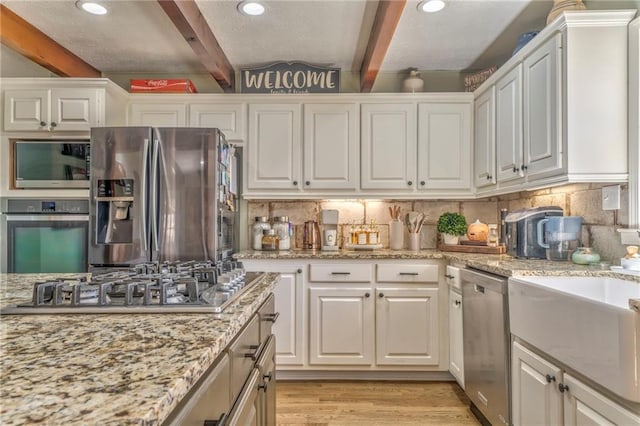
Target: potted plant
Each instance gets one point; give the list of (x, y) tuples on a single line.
[(452, 226)]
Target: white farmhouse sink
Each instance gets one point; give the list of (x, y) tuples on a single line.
[(583, 322)]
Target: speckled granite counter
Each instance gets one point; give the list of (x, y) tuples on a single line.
[(107, 369), (498, 264)]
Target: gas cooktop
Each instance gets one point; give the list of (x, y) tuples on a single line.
[(178, 287)]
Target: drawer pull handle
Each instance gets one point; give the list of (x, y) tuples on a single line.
[(271, 317), (408, 273), (264, 386), (220, 422), (268, 376), (450, 276), (253, 355), (341, 273)]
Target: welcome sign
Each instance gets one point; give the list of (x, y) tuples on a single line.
[(290, 77)]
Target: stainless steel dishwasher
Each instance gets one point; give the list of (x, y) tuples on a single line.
[(486, 340)]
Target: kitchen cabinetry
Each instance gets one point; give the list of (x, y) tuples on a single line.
[(226, 116), (444, 146), (55, 109), (331, 148), (544, 394), (158, 114), (388, 146), (556, 102), (485, 142), (274, 147)]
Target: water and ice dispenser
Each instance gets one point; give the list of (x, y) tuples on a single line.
[(114, 211)]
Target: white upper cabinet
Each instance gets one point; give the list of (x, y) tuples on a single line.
[(542, 147), (388, 146), (444, 146), (158, 114), (485, 142), (274, 147), (509, 147), (331, 148), (55, 109), (230, 118)]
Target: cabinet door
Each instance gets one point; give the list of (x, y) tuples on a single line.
[(535, 396), (444, 146), (74, 109), (229, 118), (542, 106), (330, 146), (407, 326), (26, 110), (388, 146), (485, 142), (583, 405), (289, 326), (274, 157), (509, 126), (158, 115), (341, 326), (456, 355)]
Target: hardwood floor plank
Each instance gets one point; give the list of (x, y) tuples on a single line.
[(338, 403)]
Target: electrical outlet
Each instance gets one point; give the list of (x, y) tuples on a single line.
[(611, 197)]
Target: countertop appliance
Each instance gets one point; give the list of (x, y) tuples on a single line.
[(329, 230), (44, 235), (161, 194), (486, 343), (522, 231), (169, 287)]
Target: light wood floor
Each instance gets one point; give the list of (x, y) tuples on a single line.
[(345, 403)]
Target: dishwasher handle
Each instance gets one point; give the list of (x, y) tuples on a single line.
[(478, 288)]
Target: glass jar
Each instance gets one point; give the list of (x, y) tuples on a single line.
[(373, 235), (270, 240), (492, 236), (283, 231), (261, 223)]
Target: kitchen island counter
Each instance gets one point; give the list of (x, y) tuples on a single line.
[(107, 368), (500, 264)]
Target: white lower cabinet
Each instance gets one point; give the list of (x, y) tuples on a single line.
[(341, 328), (407, 326), (544, 394), (456, 355)]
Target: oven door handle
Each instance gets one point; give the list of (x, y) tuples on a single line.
[(46, 218)]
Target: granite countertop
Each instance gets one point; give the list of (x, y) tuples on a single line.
[(108, 369), (500, 264)]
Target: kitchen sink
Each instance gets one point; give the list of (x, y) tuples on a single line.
[(583, 322)]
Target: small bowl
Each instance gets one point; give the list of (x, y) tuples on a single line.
[(632, 264)]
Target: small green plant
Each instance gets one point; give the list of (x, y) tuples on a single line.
[(452, 223)]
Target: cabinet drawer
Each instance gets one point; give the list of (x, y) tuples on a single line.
[(453, 277), (408, 273), (267, 316), (348, 273), (244, 354)]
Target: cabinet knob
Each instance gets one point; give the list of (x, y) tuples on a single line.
[(381, 295), (307, 183), (422, 183), (367, 295), (295, 183), (458, 303), (516, 169), (42, 124), (524, 167), (489, 177), (299, 271), (550, 378), (562, 388), (409, 183), (54, 124)]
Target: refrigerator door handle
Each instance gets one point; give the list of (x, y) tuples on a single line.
[(143, 210), (154, 194)]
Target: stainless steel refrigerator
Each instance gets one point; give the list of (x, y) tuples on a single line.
[(161, 194)]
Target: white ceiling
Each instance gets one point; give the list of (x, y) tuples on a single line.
[(137, 36)]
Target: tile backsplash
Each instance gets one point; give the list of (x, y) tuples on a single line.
[(598, 231)]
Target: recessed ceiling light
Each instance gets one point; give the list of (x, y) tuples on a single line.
[(252, 8), (431, 6), (91, 7)]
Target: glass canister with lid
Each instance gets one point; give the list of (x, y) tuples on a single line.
[(261, 224), (283, 229), (270, 240)]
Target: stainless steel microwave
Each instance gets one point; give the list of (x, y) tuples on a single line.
[(49, 164)]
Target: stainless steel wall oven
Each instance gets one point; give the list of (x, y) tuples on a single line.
[(48, 236)]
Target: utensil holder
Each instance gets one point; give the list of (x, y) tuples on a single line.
[(396, 235), (414, 241)]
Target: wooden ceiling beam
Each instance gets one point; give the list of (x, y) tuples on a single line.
[(384, 26), (186, 16), (32, 43)]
